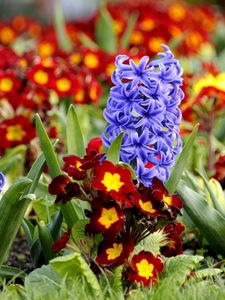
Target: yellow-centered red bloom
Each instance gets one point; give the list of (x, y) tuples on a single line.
[(145, 268), (112, 179)]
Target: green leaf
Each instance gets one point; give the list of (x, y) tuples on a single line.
[(209, 221), (47, 148), (28, 228), (117, 284), (87, 41), (11, 214), (36, 171), (181, 163), (46, 242), (73, 265), (9, 272), (209, 272), (213, 196), (125, 40), (62, 36), (113, 153), (176, 271), (75, 141), (104, 32)]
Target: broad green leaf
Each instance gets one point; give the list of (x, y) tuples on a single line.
[(47, 148), (46, 241), (75, 141), (181, 163), (209, 272), (208, 220), (11, 214), (73, 265), (113, 153), (214, 198), (11, 272), (125, 40), (104, 31), (84, 242), (62, 36)]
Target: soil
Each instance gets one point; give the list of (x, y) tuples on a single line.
[(19, 256)]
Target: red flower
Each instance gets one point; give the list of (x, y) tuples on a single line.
[(61, 243), (40, 75), (115, 252), (220, 170), (16, 131), (145, 268), (65, 84), (148, 204), (94, 144), (73, 167), (161, 193), (8, 83), (107, 218), (112, 179), (63, 188), (175, 242)]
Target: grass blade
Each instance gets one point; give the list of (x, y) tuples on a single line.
[(75, 141), (113, 153), (181, 163)]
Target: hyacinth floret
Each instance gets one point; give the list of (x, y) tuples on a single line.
[(144, 104)]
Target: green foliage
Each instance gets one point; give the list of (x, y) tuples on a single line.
[(209, 221), (153, 242), (113, 153), (125, 39), (46, 240), (12, 210), (73, 265), (9, 272), (75, 141), (117, 285), (47, 148), (63, 39), (181, 163), (104, 32), (13, 161)]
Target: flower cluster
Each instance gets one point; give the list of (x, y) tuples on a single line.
[(122, 211), (143, 104)]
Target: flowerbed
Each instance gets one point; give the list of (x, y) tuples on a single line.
[(112, 154)]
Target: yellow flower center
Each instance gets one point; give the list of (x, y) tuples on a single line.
[(78, 164), (75, 58), (41, 77), (91, 61), (47, 62), (7, 35), (154, 44), (112, 182), (108, 217), (177, 12), (117, 26), (137, 37), (109, 69), (146, 206), (167, 199), (45, 49), (15, 133), (114, 252), (145, 269), (79, 96), (93, 93), (147, 24), (63, 84), (6, 85)]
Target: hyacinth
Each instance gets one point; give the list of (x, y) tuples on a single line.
[(143, 104)]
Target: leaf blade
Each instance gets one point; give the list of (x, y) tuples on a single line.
[(175, 176)]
